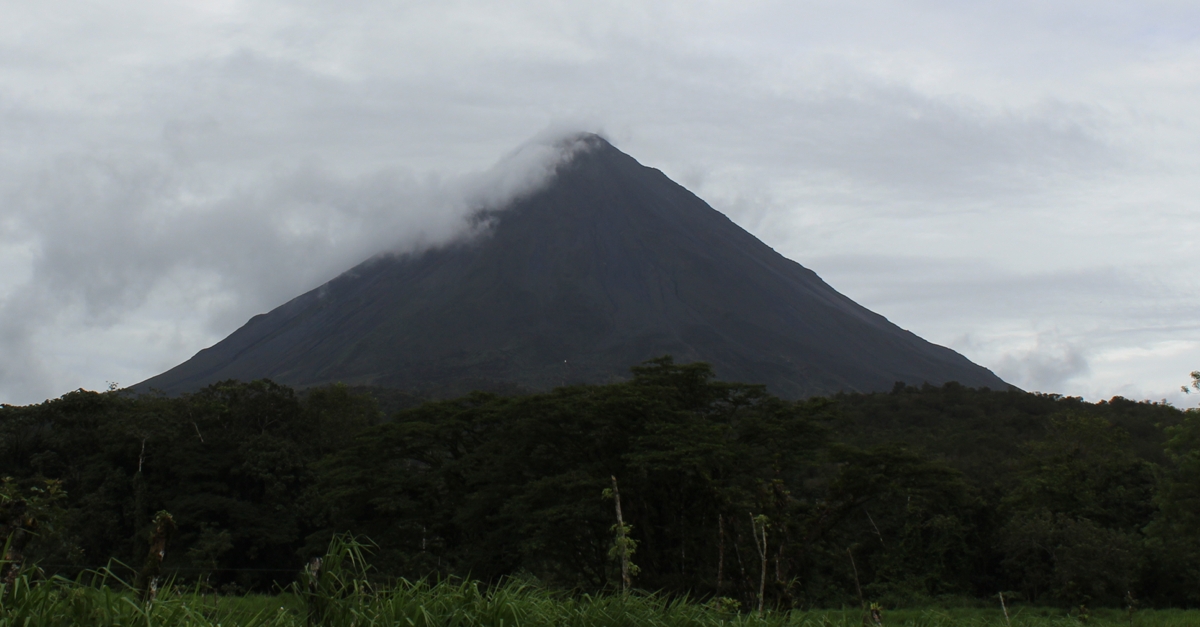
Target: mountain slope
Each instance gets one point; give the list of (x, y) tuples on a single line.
[(609, 264)]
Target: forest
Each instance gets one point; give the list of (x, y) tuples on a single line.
[(725, 492)]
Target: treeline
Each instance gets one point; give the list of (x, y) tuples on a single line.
[(727, 490)]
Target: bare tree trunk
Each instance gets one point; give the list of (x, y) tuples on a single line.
[(861, 600), (720, 552), (622, 541), (316, 603), (147, 579), (759, 525), (875, 527)]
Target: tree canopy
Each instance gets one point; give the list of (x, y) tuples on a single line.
[(725, 489)]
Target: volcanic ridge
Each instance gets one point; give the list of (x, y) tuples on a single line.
[(608, 264)]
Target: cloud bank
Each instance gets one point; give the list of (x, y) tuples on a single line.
[(108, 240), (1015, 180)]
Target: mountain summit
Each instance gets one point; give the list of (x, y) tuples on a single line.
[(608, 264)]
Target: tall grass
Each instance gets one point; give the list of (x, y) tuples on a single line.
[(339, 594)]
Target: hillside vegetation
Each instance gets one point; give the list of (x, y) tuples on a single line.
[(726, 492)]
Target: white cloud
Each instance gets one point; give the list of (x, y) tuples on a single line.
[(1046, 366), (121, 256), (990, 177)]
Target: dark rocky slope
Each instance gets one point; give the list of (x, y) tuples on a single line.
[(609, 264)]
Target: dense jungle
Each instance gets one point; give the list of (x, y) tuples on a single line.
[(724, 491)]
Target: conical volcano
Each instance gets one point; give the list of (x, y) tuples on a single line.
[(610, 263)]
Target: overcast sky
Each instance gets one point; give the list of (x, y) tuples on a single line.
[(1019, 181)]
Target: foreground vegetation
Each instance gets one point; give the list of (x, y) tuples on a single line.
[(344, 595), (467, 606), (726, 492)]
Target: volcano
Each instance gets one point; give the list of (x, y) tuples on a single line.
[(608, 264)]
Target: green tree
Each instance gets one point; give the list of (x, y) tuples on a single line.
[(1077, 504), (909, 520), (1195, 384), (1175, 531)]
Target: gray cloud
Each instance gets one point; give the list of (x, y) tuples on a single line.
[(1094, 332), (1046, 367), (1009, 180), (110, 235)]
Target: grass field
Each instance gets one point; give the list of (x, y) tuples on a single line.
[(339, 594), (61, 602)]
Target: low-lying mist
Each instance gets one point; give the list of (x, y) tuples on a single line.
[(123, 243)]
